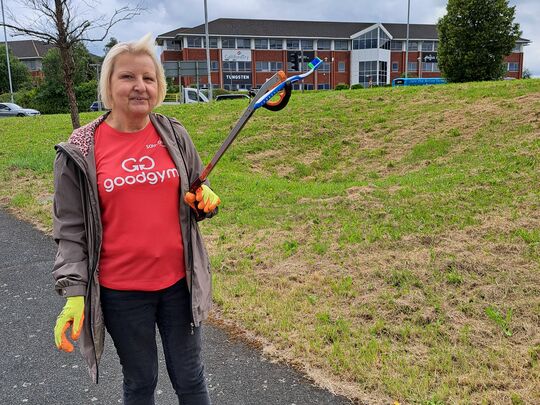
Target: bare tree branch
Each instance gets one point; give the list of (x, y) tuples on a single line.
[(57, 22)]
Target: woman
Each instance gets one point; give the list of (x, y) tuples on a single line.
[(130, 255)]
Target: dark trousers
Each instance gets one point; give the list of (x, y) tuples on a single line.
[(131, 318)]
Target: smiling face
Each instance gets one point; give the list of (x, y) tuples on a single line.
[(133, 86)]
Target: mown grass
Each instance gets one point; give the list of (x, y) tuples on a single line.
[(390, 237)]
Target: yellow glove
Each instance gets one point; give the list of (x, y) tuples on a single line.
[(71, 315), (206, 199)]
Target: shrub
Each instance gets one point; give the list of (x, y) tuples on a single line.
[(342, 86), (218, 91), (356, 86)]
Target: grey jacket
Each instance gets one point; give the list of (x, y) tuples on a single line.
[(77, 228)]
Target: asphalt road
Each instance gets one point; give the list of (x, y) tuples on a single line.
[(33, 372)]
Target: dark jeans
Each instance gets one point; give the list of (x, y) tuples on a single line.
[(131, 318)]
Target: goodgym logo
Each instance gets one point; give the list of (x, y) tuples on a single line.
[(144, 166), (144, 163)]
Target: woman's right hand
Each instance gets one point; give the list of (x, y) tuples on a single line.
[(72, 315)]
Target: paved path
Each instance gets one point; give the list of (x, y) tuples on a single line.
[(33, 372)]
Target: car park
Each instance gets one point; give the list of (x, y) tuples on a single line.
[(14, 110)]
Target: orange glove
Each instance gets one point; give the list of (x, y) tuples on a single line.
[(206, 199), (71, 315)]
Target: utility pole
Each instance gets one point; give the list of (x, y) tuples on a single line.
[(7, 52), (208, 68), (407, 43)]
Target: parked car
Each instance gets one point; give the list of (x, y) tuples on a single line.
[(14, 110), (95, 106), (190, 96), (222, 97)]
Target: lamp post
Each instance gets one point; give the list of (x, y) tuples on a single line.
[(207, 52), (407, 42), (7, 52)]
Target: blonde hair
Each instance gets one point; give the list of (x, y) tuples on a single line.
[(144, 46)]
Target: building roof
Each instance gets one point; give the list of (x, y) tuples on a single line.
[(301, 29), (29, 49), (170, 35)]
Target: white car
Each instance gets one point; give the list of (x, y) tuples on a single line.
[(14, 110)]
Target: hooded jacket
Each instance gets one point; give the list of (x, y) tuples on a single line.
[(77, 228)]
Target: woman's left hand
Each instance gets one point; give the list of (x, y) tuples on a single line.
[(205, 199)]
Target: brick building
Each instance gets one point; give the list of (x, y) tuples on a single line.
[(245, 52)]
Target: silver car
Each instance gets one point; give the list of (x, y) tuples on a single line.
[(14, 110)]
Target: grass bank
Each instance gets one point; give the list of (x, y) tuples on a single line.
[(386, 240)]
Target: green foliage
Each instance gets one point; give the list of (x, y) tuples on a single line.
[(20, 77), (112, 42), (502, 321), (526, 74), (342, 86), (474, 38), (357, 86), (54, 74), (217, 92), (51, 97), (86, 93)]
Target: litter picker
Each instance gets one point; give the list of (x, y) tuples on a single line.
[(277, 84)]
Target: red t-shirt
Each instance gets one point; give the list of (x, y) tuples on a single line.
[(138, 186)]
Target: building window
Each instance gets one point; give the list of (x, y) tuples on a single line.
[(412, 66), (307, 44), (214, 65), (430, 67), (396, 45), (243, 66), (367, 73), (172, 45), (213, 42), (341, 67), (237, 66), (395, 66), (323, 44), (513, 67), (194, 42), (293, 44), (31, 65), (228, 43), (427, 46), (383, 73), (325, 67), (276, 44), (341, 45), (261, 43), (268, 66), (366, 41), (384, 40), (323, 86), (413, 46), (243, 43), (229, 66)]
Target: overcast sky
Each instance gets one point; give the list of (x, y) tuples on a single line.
[(162, 16)]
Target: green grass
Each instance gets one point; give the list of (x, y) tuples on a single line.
[(388, 237)]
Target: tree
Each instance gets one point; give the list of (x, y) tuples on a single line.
[(51, 97), (474, 38), (20, 76), (58, 23), (112, 42), (526, 74)]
